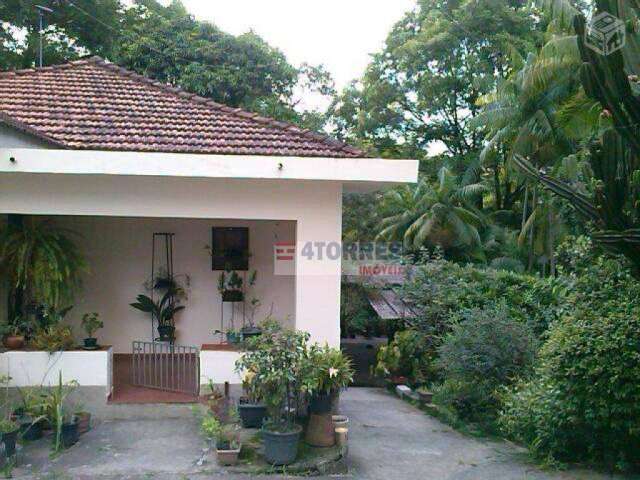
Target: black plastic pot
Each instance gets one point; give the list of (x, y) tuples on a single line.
[(30, 431), (232, 296), (251, 414), (90, 342), (248, 332), (9, 439), (320, 403), (166, 332), (281, 448), (69, 434)]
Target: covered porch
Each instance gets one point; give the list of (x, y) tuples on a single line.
[(115, 219)]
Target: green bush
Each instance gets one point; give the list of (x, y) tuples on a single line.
[(441, 290), (356, 315), (410, 354), (484, 350), (583, 402)]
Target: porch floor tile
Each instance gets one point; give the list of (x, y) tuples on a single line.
[(125, 392)]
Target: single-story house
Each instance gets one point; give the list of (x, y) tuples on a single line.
[(134, 165)]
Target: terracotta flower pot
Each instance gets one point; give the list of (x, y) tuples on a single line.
[(84, 422), (228, 458), (14, 342)]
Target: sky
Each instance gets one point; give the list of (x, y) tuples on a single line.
[(339, 34)]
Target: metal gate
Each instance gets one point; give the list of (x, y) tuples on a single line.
[(165, 366)]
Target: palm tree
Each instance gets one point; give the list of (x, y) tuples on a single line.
[(434, 215)]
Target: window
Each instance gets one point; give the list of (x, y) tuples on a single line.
[(230, 247)]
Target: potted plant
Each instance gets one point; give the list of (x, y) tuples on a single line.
[(250, 409), (329, 372), (252, 330), (226, 438), (9, 429), (13, 333), (42, 263), (83, 419), (163, 312), (230, 286), (54, 338), (31, 413), (234, 337), (218, 402), (91, 324), (388, 365), (277, 358), (60, 416), (67, 433)]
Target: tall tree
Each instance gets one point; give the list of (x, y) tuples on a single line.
[(424, 86)]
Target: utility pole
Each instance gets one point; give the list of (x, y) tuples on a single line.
[(41, 11)]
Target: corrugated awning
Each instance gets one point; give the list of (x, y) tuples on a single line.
[(389, 306)]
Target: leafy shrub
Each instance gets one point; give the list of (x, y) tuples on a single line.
[(484, 350), (410, 354), (583, 402), (441, 290), (356, 315)]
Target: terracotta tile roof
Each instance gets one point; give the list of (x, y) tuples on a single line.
[(92, 104)]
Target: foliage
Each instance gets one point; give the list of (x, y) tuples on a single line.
[(440, 290), (581, 402), (486, 349), (164, 310), (441, 215), (91, 323), (229, 281), (423, 86), (329, 370), (356, 315), (54, 338), (360, 216), (611, 203), (42, 262), (410, 354), (57, 409), (225, 436), (18, 327), (278, 361)]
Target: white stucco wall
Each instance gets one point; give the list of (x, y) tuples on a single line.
[(219, 366), (28, 368), (118, 251), (315, 206)]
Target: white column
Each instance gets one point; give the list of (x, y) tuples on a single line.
[(318, 267)]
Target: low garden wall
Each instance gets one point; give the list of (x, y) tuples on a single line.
[(33, 368), (217, 364)]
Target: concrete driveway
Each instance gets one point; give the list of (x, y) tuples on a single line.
[(388, 440)]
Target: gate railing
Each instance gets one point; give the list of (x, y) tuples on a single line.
[(163, 366)]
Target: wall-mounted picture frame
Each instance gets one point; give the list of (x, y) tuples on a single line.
[(230, 248)]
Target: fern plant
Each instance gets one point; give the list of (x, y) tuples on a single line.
[(42, 262)]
